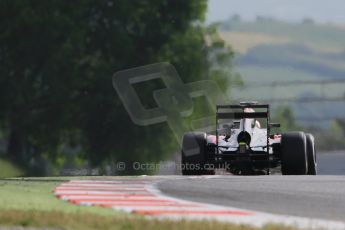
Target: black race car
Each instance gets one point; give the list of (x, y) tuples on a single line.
[(243, 145)]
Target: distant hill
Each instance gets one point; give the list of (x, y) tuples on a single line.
[(287, 63), (325, 37)]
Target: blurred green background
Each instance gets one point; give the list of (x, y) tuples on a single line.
[(59, 109)]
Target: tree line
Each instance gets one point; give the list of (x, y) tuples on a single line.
[(56, 63)]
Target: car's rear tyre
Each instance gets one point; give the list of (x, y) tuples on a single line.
[(194, 155), (311, 154), (294, 153)]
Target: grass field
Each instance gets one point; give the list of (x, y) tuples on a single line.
[(8, 170), (31, 203), (243, 41), (321, 37), (256, 77)]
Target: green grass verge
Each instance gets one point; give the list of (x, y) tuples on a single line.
[(31, 203), (88, 221), (27, 195), (9, 170)]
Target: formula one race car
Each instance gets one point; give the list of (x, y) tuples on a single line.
[(242, 146)]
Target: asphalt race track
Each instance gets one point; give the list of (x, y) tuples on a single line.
[(321, 196), (311, 202)]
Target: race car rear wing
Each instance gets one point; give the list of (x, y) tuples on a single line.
[(241, 115), (244, 105), (237, 112)]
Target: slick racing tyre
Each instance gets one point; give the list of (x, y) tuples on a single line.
[(311, 155), (194, 155), (294, 153)]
